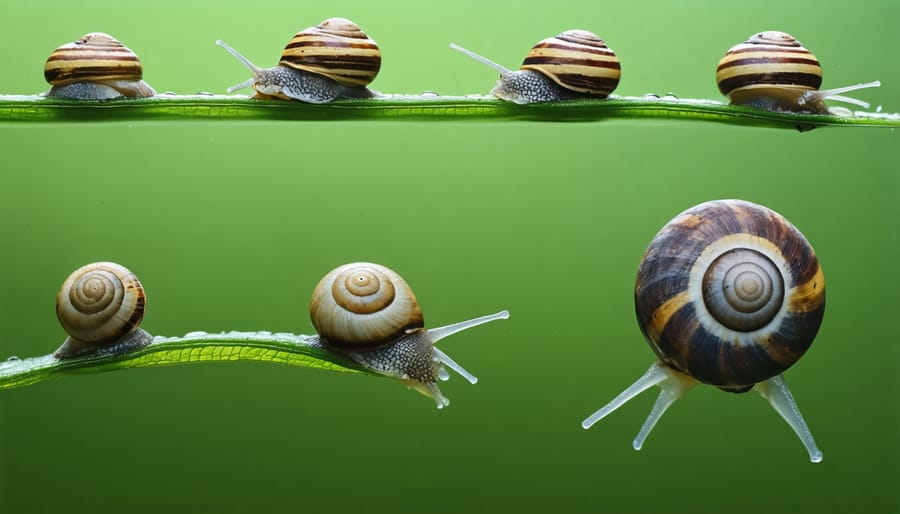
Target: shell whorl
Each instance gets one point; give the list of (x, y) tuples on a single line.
[(577, 60), (95, 57), (730, 293), (363, 306), (100, 303), (768, 63), (336, 48)]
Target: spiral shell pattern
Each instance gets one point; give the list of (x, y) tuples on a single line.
[(363, 306), (577, 60), (336, 48), (768, 61), (100, 303), (95, 57), (730, 293)]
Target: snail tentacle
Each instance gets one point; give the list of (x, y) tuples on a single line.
[(776, 391)]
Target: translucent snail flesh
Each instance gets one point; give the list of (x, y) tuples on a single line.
[(773, 71), (100, 306), (335, 59), (95, 67), (573, 64), (729, 294), (369, 313)]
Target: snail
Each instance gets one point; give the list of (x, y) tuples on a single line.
[(773, 71), (573, 64), (332, 60), (100, 306), (369, 313), (729, 294), (95, 67)]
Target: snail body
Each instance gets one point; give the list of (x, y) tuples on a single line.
[(335, 59), (369, 313), (774, 71), (100, 306), (573, 64), (95, 67), (730, 294)]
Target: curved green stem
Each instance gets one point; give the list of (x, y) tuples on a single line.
[(36, 108), (296, 350)]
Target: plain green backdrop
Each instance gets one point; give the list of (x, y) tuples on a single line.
[(230, 226)]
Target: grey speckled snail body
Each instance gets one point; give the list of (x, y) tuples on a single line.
[(95, 67), (332, 60), (729, 294), (573, 64), (773, 71), (369, 313), (100, 306)]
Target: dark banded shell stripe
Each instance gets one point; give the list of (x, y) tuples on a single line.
[(667, 315), (768, 59), (336, 48), (577, 60), (95, 57)]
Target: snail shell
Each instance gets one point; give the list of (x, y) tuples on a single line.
[(332, 60), (774, 71), (363, 306), (573, 64), (336, 48), (369, 313), (95, 67), (730, 293), (99, 305)]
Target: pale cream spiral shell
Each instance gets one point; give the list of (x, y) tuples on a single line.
[(363, 306), (100, 303)]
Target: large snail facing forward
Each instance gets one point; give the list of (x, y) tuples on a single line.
[(332, 60), (369, 313), (573, 64), (773, 71), (100, 306), (730, 294), (96, 67)]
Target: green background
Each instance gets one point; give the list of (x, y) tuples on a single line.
[(230, 226)]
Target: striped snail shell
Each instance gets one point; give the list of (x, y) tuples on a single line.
[(335, 59), (95, 67), (100, 306), (573, 64), (774, 71), (369, 313), (730, 294)]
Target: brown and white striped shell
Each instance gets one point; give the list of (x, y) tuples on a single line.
[(363, 306), (98, 305), (577, 60), (95, 67), (729, 293), (336, 48)]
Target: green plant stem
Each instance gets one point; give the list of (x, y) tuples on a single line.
[(296, 350), (36, 108)]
